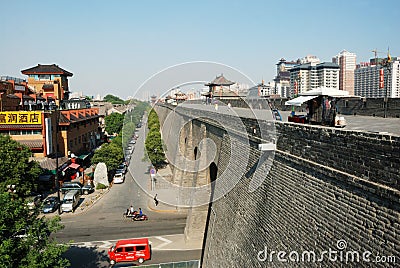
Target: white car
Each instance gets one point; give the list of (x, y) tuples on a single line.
[(119, 178)]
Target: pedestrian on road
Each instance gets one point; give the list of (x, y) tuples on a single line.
[(131, 210), (155, 200)]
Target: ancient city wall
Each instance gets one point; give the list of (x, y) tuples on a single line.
[(327, 188), (354, 106)]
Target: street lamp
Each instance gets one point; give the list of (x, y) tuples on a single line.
[(57, 111), (388, 69)]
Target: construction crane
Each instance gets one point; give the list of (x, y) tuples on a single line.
[(376, 55)]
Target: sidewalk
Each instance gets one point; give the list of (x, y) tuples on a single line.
[(88, 202)]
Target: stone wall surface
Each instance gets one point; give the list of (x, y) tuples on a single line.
[(323, 188)]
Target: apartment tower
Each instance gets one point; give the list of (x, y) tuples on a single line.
[(347, 63)]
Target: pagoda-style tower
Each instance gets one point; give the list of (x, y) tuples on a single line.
[(218, 84), (49, 81)]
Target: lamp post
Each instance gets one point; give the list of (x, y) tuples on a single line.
[(388, 69), (56, 177)]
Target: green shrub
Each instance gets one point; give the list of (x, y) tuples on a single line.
[(100, 186)]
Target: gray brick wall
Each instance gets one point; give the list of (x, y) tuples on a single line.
[(324, 185)]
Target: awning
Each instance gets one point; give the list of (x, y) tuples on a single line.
[(83, 156), (73, 166), (299, 100), (323, 91)]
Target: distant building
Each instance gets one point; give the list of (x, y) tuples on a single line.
[(310, 59), (12, 93), (282, 78), (262, 90), (153, 99), (347, 63), (367, 79), (312, 75)]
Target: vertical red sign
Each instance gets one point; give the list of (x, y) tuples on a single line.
[(381, 83)]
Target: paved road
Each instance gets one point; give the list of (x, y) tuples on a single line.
[(95, 229)]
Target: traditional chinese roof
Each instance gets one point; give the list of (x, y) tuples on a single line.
[(67, 117), (32, 144), (220, 81), (180, 96), (46, 69), (50, 163)]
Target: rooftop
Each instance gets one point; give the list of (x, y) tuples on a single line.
[(220, 81), (46, 69)]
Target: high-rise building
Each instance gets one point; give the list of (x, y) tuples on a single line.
[(369, 75), (347, 63), (308, 76)]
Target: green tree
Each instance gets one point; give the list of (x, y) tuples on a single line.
[(114, 123), (113, 99), (154, 148), (152, 121), (24, 236), (153, 143), (25, 240), (110, 154), (16, 168)]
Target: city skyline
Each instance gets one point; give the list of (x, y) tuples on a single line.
[(113, 48)]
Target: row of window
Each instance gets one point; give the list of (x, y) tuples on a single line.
[(81, 139), (21, 132)]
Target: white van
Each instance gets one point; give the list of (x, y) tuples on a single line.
[(70, 201)]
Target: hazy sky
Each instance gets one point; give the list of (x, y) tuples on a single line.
[(114, 46)]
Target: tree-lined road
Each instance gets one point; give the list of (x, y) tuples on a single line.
[(94, 230)]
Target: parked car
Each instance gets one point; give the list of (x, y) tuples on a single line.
[(83, 189), (51, 204), (119, 178), (34, 201), (70, 201), (121, 169)]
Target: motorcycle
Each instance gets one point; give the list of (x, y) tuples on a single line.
[(127, 214), (137, 217)]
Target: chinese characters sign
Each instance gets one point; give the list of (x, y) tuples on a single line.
[(12, 118)]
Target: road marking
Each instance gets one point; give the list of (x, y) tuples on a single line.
[(166, 242), (109, 243)]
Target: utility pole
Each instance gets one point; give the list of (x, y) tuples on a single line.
[(388, 75), (56, 177)]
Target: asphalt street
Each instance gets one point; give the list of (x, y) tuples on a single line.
[(93, 229)]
